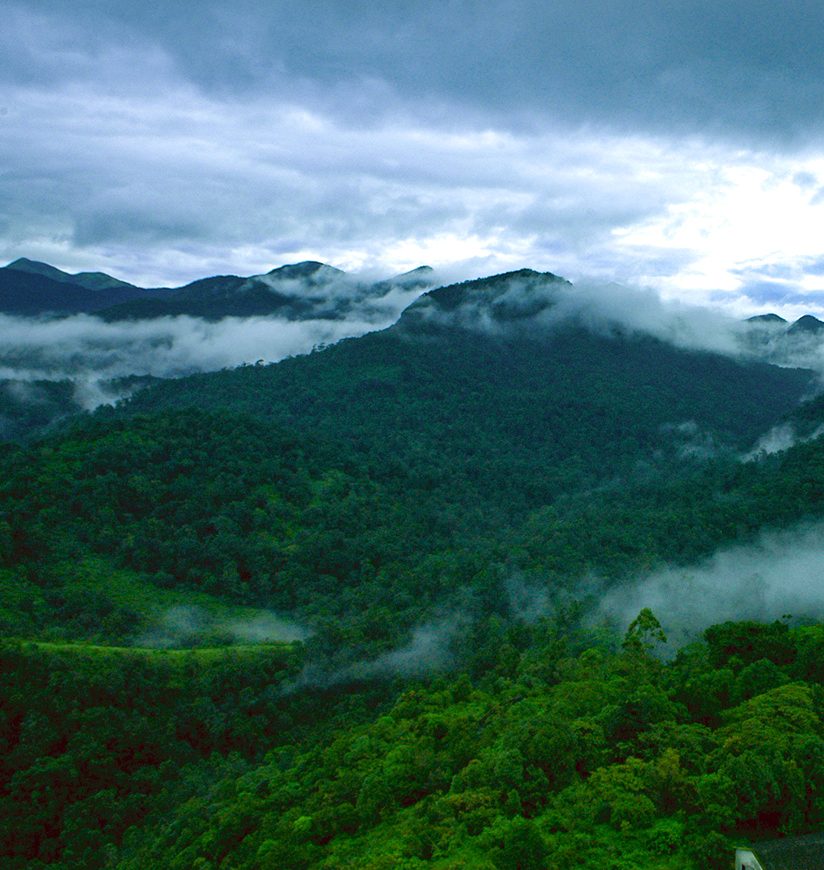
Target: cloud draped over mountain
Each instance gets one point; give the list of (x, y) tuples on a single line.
[(164, 347), (145, 337)]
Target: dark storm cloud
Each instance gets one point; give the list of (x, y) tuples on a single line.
[(747, 65)]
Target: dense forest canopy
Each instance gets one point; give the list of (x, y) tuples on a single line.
[(361, 608)]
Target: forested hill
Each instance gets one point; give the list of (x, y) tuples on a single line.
[(518, 415), (32, 293), (296, 291), (343, 611)]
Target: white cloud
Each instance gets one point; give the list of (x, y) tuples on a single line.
[(780, 573), (752, 211), (84, 347)]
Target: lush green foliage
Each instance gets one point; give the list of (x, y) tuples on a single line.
[(91, 735), (555, 756), (388, 495), (515, 422), (232, 507)]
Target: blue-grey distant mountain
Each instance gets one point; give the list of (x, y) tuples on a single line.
[(210, 298), (295, 292), (773, 339), (290, 291), (806, 324), (766, 318), (89, 280), (298, 291), (30, 288), (778, 326)]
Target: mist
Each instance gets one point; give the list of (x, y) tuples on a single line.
[(188, 625), (610, 309), (164, 347), (691, 441), (428, 651), (781, 573), (527, 602), (92, 353), (781, 437), (604, 308)]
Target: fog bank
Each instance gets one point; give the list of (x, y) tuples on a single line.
[(780, 573), (188, 625)]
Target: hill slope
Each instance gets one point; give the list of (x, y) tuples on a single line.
[(519, 415), (428, 507), (31, 293), (89, 280)]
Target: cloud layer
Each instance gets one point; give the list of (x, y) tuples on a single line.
[(92, 353), (663, 142), (744, 66), (84, 346), (190, 625), (777, 575)]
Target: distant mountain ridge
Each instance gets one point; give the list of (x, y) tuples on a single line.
[(303, 290), (807, 323), (89, 280), (308, 289), (773, 339), (31, 293)]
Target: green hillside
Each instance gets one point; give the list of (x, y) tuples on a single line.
[(507, 419), (339, 611)]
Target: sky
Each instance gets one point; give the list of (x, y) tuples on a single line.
[(671, 144)]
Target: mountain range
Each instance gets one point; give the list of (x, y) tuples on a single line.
[(297, 291), (308, 289)]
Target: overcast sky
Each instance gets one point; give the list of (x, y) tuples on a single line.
[(672, 143)]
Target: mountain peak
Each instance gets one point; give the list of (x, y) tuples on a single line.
[(87, 280), (492, 289), (807, 323), (415, 279), (35, 267), (419, 271), (766, 318), (510, 296), (305, 269)]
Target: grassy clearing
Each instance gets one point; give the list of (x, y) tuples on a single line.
[(93, 603)]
